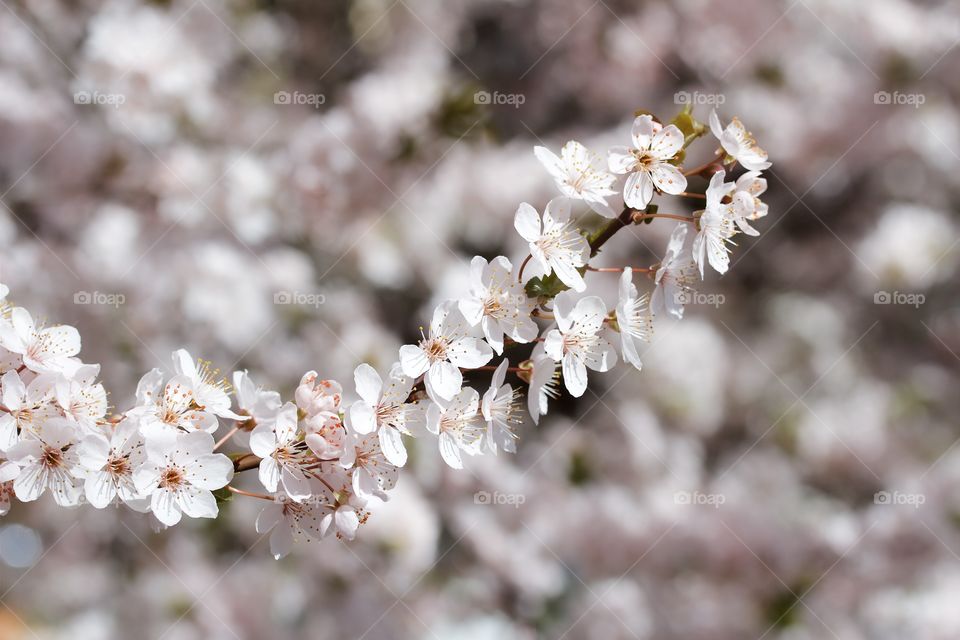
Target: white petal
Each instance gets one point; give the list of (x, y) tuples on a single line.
[(295, 484), (444, 379), (602, 358), (391, 443), (363, 418), (563, 305), (8, 471), (263, 441), (643, 131), (621, 160), (8, 432), (493, 333), (164, 505), (93, 452), (347, 522), (149, 386), (198, 503), (183, 364), (269, 517), (668, 178), (590, 313), (638, 190), (568, 274), (472, 310), (449, 451), (500, 374), (667, 142), (13, 390), (553, 345), (211, 471), (551, 162), (470, 353), (527, 223), (715, 127), (557, 212), (281, 541), (368, 383), (574, 375), (269, 473), (100, 489), (413, 360), (31, 483)]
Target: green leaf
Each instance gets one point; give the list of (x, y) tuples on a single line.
[(545, 287), (223, 495)]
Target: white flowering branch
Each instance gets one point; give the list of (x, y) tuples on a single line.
[(320, 460)]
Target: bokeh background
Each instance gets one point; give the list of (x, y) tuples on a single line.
[(785, 465)]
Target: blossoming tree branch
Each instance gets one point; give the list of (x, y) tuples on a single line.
[(322, 457)]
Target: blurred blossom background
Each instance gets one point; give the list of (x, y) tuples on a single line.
[(284, 185)]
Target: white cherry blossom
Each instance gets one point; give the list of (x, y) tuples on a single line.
[(384, 410), (209, 390), (556, 246), (8, 473), (498, 303), (578, 176), (443, 351), (633, 319), (180, 474), (739, 143), (48, 460), (746, 204), (673, 282), (27, 406), (282, 455), (257, 405), (342, 521), (325, 438), (457, 425), (289, 521), (319, 399), (166, 409), (81, 398), (544, 383), (110, 459), (577, 342), (648, 162), (716, 228), (373, 475), (44, 349), (500, 407)]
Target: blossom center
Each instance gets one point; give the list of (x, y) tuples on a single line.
[(171, 478), (51, 457), (435, 348), (119, 466), (578, 343)]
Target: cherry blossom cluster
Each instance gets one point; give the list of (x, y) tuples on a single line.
[(321, 460)]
